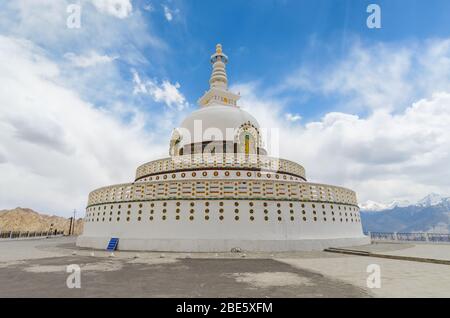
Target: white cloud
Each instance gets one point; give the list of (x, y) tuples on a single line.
[(386, 156), (292, 117), (169, 13), (165, 92), (64, 130), (378, 76), (55, 147), (399, 149), (148, 7), (130, 36), (118, 8), (88, 60)]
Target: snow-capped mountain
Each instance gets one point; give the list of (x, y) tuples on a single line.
[(430, 214), (429, 200), (376, 206), (370, 205), (432, 199)]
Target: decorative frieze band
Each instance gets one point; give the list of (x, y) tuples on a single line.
[(219, 161), (227, 189)]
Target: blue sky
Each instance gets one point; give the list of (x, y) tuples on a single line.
[(363, 108), (267, 39)]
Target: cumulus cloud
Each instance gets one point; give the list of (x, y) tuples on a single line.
[(169, 13), (384, 156), (56, 146), (148, 7), (379, 76), (64, 130), (391, 139), (292, 117), (88, 60), (130, 36), (117, 8), (2, 158), (165, 92)]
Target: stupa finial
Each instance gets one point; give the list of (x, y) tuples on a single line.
[(219, 75), (219, 48), (218, 93)]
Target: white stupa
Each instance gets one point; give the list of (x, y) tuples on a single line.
[(219, 190)]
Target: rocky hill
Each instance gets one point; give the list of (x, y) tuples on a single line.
[(23, 219)]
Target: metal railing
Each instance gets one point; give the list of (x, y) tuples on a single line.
[(409, 237), (28, 234)]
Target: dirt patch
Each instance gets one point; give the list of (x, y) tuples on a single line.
[(272, 279), (153, 261)]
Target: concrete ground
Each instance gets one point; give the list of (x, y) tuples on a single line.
[(37, 268)]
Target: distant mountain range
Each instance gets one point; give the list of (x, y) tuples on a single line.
[(431, 214)]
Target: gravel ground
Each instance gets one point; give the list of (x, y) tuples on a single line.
[(37, 268)]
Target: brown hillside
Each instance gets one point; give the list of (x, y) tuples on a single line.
[(23, 219)]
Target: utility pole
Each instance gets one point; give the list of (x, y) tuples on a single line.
[(70, 226), (74, 220)]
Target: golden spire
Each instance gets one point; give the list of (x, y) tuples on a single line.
[(219, 48)]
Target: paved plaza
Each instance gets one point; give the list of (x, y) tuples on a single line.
[(37, 268)]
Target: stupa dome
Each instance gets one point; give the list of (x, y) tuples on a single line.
[(215, 122)]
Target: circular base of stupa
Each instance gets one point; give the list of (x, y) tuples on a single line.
[(220, 245)]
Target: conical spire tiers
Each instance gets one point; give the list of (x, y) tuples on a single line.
[(218, 92), (219, 75)]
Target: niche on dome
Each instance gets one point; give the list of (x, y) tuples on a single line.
[(175, 140), (247, 139)]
